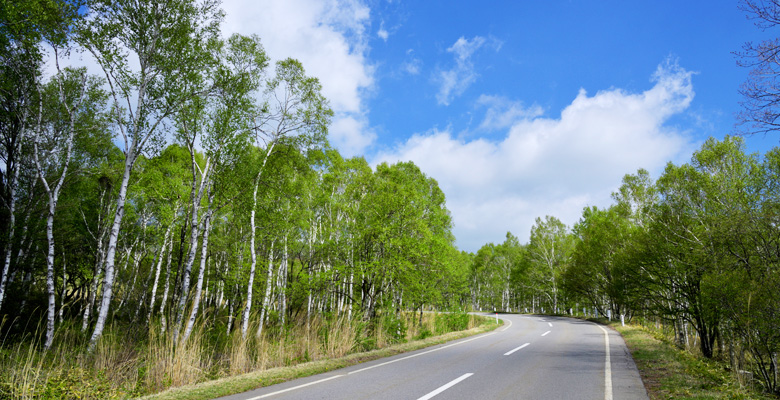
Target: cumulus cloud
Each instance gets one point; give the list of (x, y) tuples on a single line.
[(351, 134), (453, 82), (551, 166), (502, 112), (330, 38)]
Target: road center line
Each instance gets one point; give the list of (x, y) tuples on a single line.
[(550, 323), (545, 334), (445, 387), (419, 354), (295, 387), (607, 367), (515, 349)]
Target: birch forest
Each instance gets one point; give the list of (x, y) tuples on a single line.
[(188, 195), (181, 217)]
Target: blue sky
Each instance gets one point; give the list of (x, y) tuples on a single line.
[(519, 109), (542, 53)]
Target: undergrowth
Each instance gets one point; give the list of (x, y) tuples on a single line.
[(669, 372), (130, 361)]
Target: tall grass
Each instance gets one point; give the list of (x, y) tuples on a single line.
[(130, 361)]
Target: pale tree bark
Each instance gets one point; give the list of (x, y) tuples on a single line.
[(267, 297), (253, 242), (108, 279), (53, 193), (158, 268), (164, 301), (100, 255), (167, 41), (197, 191), (13, 165), (203, 258), (282, 283)]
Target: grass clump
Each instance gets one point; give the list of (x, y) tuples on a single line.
[(672, 373), (131, 362)]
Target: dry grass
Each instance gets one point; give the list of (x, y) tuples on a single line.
[(261, 378), (127, 363), (672, 373)]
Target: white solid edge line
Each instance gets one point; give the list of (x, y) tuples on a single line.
[(445, 387), (419, 354), (506, 327), (295, 387), (607, 367), (545, 334), (515, 349)]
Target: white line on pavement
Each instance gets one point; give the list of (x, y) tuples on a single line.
[(445, 387), (419, 354), (550, 323), (506, 327), (607, 367), (545, 334), (515, 349), (295, 387)]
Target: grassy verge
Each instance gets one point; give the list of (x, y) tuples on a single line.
[(132, 361), (254, 380), (671, 373)]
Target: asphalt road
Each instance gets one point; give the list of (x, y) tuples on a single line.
[(530, 357)]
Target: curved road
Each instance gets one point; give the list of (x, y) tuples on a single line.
[(530, 357)]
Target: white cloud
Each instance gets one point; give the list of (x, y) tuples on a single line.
[(350, 134), (382, 32), (551, 166), (330, 39), (502, 112), (453, 82), (412, 65)]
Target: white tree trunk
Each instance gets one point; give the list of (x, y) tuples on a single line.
[(167, 286), (252, 244), (108, 281), (282, 283), (267, 297), (53, 196), (14, 182), (199, 286), (253, 254), (159, 266), (196, 195)]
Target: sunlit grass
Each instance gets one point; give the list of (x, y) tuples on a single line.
[(130, 362), (672, 373)]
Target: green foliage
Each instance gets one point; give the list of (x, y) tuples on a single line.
[(450, 322)]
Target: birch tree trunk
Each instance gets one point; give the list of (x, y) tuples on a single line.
[(166, 238), (54, 193), (196, 195), (282, 283), (253, 243), (253, 255), (199, 286), (14, 165), (108, 280), (164, 301), (99, 259), (267, 297)]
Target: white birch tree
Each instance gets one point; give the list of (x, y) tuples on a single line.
[(295, 113), (169, 40), (73, 104)]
